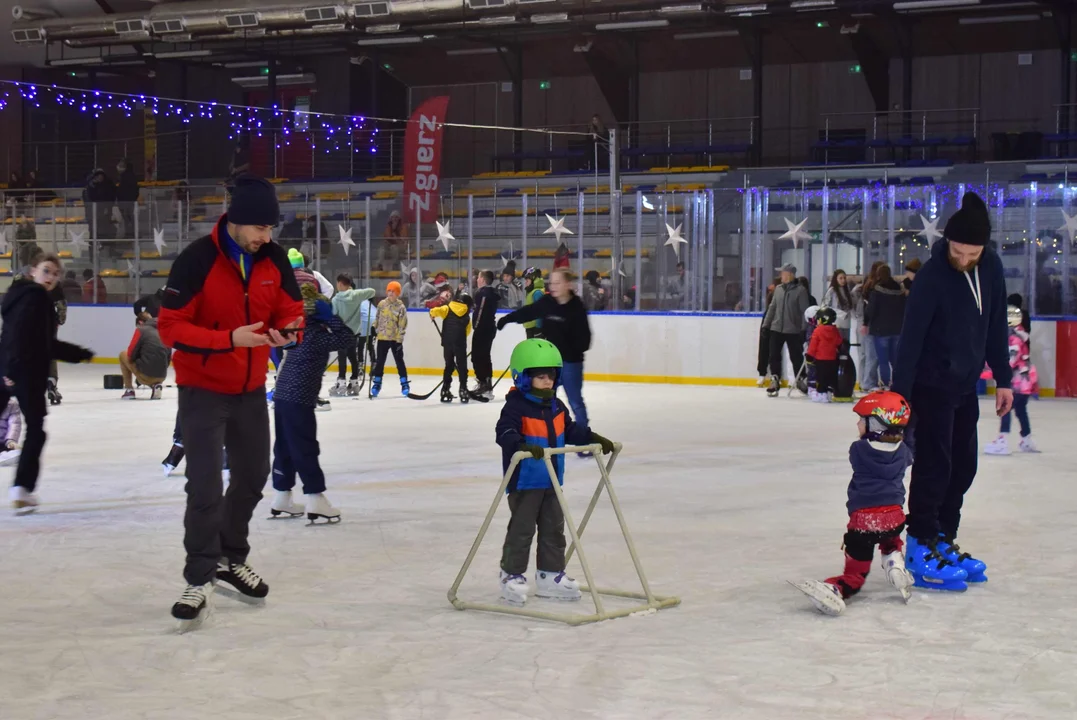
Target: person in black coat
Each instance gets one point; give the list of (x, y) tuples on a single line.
[(28, 345), (955, 320), (884, 314), (484, 328), (564, 323), (127, 196), (98, 198)]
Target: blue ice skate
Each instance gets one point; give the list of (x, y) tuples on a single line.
[(975, 569), (405, 386), (930, 569), (375, 386), (269, 396)]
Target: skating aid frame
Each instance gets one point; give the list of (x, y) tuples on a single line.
[(653, 602)]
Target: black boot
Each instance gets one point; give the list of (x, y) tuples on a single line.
[(464, 395)]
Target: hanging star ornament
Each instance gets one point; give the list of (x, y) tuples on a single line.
[(130, 269), (78, 239), (444, 236), (616, 268), (1069, 229), (159, 241), (795, 232), (504, 262), (3, 241), (930, 229), (557, 228), (675, 239), (345, 240)]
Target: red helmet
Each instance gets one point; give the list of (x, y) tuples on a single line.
[(886, 406)]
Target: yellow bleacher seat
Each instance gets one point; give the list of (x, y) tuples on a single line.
[(386, 178), (286, 197), (459, 213), (551, 190), (385, 195), (659, 170), (476, 192), (210, 199), (333, 196), (357, 216), (509, 212)]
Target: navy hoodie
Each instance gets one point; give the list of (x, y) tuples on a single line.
[(878, 475), (947, 335)]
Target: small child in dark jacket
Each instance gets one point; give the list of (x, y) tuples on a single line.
[(455, 327), (823, 354), (876, 498), (295, 398), (532, 419)]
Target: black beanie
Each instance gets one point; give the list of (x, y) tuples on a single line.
[(970, 225), (253, 202)]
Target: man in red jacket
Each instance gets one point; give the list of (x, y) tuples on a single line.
[(230, 297)]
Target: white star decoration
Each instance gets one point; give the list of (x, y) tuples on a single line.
[(557, 228), (345, 238), (444, 236), (159, 240), (1070, 227), (78, 239), (616, 268), (795, 232), (130, 269), (504, 262), (675, 239), (3, 241), (930, 229)]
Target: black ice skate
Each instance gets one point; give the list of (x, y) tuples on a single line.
[(249, 588), (465, 394), (193, 606), (774, 387), (175, 457), (55, 398), (446, 394)]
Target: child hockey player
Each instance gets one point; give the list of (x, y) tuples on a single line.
[(455, 327), (876, 497), (352, 306), (823, 350), (28, 345), (295, 398), (391, 325), (485, 325), (534, 418), (534, 289), (11, 431), (1025, 383)]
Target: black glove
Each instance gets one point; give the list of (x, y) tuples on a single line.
[(535, 450), (606, 443), (502, 322), (86, 355)]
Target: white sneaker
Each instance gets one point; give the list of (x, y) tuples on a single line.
[(1028, 446), (283, 505), (998, 446), (825, 597), (896, 574), (318, 508), (24, 501), (513, 588), (557, 586)]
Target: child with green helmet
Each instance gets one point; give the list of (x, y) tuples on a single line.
[(532, 419)]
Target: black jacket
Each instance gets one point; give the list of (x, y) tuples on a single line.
[(565, 325), (947, 335), (127, 187), (483, 316), (28, 341), (885, 310)]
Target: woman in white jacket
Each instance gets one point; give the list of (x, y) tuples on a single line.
[(840, 300)]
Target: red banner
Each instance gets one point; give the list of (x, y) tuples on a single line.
[(422, 159)]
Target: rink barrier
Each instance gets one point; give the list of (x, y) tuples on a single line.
[(653, 602)]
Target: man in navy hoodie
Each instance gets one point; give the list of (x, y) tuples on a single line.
[(954, 320)]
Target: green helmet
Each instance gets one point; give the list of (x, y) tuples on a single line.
[(529, 355)]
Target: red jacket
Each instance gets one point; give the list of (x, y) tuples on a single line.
[(825, 343), (206, 299)]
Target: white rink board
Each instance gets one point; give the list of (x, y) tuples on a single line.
[(728, 494)]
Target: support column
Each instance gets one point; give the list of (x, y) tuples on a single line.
[(1064, 25), (754, 43)]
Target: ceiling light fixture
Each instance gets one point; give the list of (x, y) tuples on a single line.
[(998, 19), (709, 34), (632, 25), (403, 40), (930, 4)]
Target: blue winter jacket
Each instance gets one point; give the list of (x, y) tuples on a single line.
[(300, 378), (947, 335), (878, 475), (546, 423)]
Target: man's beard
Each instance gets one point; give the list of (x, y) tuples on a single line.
[(957, 265)]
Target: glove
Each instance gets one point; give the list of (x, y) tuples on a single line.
[(11, 445), (502, 322), (323, 311), (535, 450), (86, 355), (606, 443)]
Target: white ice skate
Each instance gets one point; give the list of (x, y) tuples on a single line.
[(339, 389), (896, 574), (556, 586), (319, 509), (1026, 446), (998, 446), (193, 607), (825, 597), (283, 505), (22, 500), (10, 457), (513, 588), (761, 381), (155, 394)]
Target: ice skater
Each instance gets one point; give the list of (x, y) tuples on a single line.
[(11, 431), (1025, 385), (823, 349), (532, 419), (485, 328), (876, 498), (353, 306), (295, 398), (392, 323), (455, 327), (231, 295), (954, 319), (28, 345), (785, 322), (177, 453)]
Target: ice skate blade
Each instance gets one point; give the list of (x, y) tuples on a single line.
[(976, 578), (198, 621), (276, 515), (25, 510), (513, 602), (314, 518), (559, 598), (939, 585), (237, 595), (822, 598)]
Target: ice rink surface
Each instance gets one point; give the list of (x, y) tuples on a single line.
[(728, 494)]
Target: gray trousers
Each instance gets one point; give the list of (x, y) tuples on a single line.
[(216, 523), (531, 508)]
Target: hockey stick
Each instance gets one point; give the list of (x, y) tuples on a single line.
[(503, 374)]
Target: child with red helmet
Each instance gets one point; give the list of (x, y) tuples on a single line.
[(823, 354), (876, 498)]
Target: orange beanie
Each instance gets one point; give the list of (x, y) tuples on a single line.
[(393, 286)]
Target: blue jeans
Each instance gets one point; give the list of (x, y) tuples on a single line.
[(886, 351), (869, 364), (1020, 409), (572, 379)]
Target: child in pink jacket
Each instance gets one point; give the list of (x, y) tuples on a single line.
[(1025, 384)]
